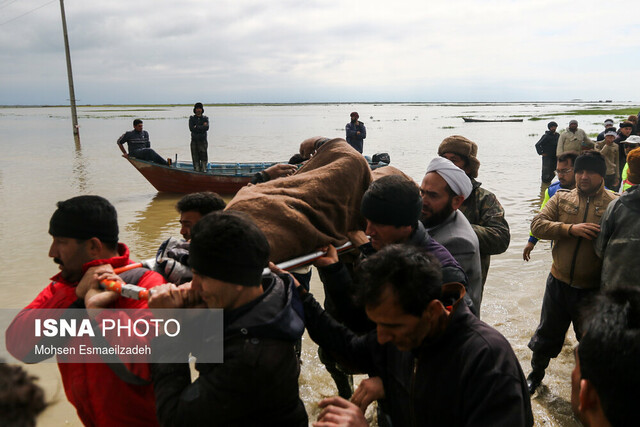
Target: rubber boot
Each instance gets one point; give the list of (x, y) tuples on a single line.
[(538, 364)]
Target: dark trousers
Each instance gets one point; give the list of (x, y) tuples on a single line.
[(561, 306), (548, 168), (150, 155), (199, 155)]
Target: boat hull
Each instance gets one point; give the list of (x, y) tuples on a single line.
[(222, 178), (472, 120)]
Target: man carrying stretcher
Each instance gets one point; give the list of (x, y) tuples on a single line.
[(85, 246)]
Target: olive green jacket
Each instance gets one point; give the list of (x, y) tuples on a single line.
[(486, 215)]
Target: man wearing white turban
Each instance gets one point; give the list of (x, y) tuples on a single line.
[(444, 188)]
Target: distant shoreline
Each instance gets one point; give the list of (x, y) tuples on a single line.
[(284, 104)]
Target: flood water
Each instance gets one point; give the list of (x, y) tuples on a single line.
[(40, 165)]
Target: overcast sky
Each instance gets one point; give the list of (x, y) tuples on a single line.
[(235, 51)]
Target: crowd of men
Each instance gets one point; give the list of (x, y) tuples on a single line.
[(405, 311)]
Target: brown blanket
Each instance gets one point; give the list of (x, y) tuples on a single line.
[(316, 206)]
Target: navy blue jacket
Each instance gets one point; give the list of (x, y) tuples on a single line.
[(356, 141)]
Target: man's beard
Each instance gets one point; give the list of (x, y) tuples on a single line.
[(438, 218)]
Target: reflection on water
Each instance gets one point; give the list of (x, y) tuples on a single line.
[(158, 221), (81, 177)]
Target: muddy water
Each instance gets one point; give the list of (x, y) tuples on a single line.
[(40, 165)]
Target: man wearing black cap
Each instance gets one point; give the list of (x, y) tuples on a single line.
[(356, 132), (85, 245), (258, 382), (572, 219), (199, 125), (546, 147)]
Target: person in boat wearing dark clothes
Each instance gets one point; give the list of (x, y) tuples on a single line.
[(439, 364), (199, 125), (138, 143), (258, 382)]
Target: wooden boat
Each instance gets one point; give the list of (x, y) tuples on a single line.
[(221, 178), (472, 120), (179, 177)]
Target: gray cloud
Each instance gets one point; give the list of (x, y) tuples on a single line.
[(229, 51)]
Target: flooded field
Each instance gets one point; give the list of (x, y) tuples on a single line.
[(40, 165)]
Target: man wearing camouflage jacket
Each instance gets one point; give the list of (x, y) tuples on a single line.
[(482, 208)]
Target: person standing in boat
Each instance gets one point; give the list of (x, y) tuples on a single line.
[(199, 125), (356, 132), (139, 145)]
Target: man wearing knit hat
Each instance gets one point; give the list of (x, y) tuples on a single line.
[(262, 322), (574, 139), (546, 147), (572, 220), (85, 245), (482, 208), (617, 243), (609, 151), (356, 132), (391, 205), (199, 125), (444, 188), (608, 124), (566, 180)]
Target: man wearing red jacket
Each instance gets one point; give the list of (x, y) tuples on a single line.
[(85, 246)]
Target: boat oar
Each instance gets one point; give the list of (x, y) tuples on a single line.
[(138, 292)]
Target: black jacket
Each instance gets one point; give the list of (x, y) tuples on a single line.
[(618, 242), (548, 144), (466, 376), (197, 126), (257, 385), (340, 289)]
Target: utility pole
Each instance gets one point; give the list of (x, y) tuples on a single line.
[(72, 95)]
